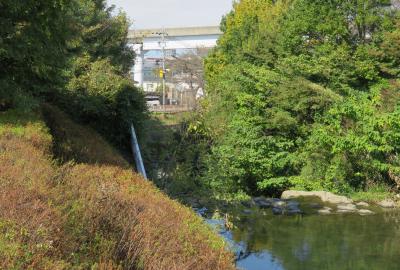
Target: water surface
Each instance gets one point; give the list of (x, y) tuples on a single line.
[(340, 241)]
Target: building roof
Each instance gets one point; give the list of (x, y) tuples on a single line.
[(175, 32)]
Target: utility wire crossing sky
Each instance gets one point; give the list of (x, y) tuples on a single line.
[(173, 13)]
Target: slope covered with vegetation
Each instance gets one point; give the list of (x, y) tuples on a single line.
[(86, 209), (304, 94)]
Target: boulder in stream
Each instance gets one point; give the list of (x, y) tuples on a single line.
[(325, 211), (346, 208), (362, 204), (387, 204), (293, 208), (262, 202), (365, 212), (293, 204), (277, 210), (323, 195), (315, 205), (294, 211), (279, 203)]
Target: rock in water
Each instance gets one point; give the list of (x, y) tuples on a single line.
[(293, 204), (278, 203), (325, 211), (262, 202), (315, 205), (362, 204), (293, 208), (365, 212), (346, 208), (387, 204), (277, 210), (323, 195), (293, 211)]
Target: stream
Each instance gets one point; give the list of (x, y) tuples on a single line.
[(264, 241)]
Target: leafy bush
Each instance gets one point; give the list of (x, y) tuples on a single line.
[(355, 143), (304, 94), (104, 99)]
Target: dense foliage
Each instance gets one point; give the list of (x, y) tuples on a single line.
[(33, 37), (99, 90), (305, 94), (75, 54)]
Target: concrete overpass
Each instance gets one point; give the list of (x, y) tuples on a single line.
[(150, 40)]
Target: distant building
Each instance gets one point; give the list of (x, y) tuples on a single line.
[(178, 41)]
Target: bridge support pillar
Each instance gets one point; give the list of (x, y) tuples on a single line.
[(139, 64)]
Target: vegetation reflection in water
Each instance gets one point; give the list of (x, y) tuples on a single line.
[(349, 241)]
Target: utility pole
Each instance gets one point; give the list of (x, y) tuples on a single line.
[(163, 44), (163, 66)]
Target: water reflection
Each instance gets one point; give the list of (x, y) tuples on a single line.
[(264, 242), (260, 261)]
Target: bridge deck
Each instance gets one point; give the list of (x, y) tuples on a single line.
[(175, 32)]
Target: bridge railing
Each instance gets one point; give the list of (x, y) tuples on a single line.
[(170, 108)]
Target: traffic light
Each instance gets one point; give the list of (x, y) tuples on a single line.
[(162, 74)]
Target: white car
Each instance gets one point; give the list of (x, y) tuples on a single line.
[(153, 101)]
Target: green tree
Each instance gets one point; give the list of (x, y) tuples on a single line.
[(99, 90), (73, 53), (281, 81), (33, 43)]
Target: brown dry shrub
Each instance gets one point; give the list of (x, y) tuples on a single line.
[(73, 215), (36, 231), (153, 232), (31, 230), (107, 265), (21, 161)]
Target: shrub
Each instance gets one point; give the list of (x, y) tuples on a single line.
[(107, 101), (355, 144)]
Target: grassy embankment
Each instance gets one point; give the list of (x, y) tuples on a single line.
[(69, 201)]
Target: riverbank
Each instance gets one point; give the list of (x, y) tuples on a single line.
[(69, 200)]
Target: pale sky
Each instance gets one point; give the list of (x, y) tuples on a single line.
[(173, 13)]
